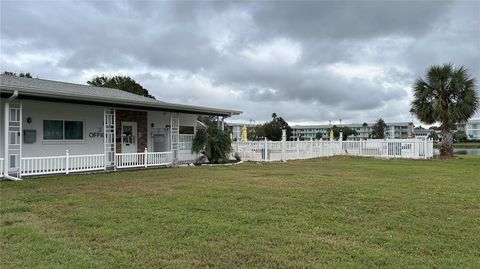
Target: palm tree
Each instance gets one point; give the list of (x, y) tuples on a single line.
[(213, 143), (446, 95)]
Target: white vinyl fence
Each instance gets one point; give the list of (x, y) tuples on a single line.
[(248, 151), (143, 159), (295, 150), (65, 164), (61, 164)]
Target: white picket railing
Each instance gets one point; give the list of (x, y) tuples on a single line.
[(43, 165), (143, 159), (159, 158), (124, 160), (61, 164), (295, 150), (83, 163), (2, 163), (30, 166)]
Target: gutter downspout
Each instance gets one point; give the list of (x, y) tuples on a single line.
[(7, 126)]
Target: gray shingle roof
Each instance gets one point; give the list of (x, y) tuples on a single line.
[(70, 91)]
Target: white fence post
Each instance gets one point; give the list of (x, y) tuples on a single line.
[(145, 159), (265, 158), (425, 150), (284, 139), (297, 145), (67, 161)]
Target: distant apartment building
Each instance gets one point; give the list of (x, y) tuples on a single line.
[(471, 129), (420, 131), (393, 130)]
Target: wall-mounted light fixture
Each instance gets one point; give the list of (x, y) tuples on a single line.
[(29, 120)]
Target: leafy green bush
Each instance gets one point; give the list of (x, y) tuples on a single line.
[(213, 143)]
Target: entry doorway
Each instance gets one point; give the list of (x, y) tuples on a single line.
[(129, 137)]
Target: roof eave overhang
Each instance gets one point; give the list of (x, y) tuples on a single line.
[(122, 104)]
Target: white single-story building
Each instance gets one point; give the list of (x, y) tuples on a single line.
[(57, 127)]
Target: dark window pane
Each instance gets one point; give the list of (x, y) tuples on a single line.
[(187, 130), (73, 129), (52, 130)]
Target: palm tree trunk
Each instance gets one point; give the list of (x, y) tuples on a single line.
[(446, 149)]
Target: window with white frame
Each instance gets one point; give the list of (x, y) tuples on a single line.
[(14, 159), (109, 120), (14, 114), (63, 130), (14, 138)]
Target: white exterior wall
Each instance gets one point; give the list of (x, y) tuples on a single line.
[(188, 119), (2, 127), (160, 119), (92, 116), (472, 130)]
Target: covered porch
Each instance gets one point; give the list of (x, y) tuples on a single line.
[(44, 137)]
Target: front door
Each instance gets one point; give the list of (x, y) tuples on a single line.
[(129, 137)]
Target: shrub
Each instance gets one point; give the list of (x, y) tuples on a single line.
[(213, 143)]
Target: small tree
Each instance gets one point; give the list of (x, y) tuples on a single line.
[(213, 143), (346, 132), (378, 129), (319, 136), (273, 130), (433, 135), (123, 83), (460, 136), (256, 132), (22, 75)]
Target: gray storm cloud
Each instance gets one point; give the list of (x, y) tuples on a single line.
[(307, 61)]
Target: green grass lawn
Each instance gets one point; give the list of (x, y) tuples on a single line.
[(334, 212)]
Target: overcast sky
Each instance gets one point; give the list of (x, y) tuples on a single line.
[(310, 62)]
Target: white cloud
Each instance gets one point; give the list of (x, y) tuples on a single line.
[(277, 51), (302, 60)]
